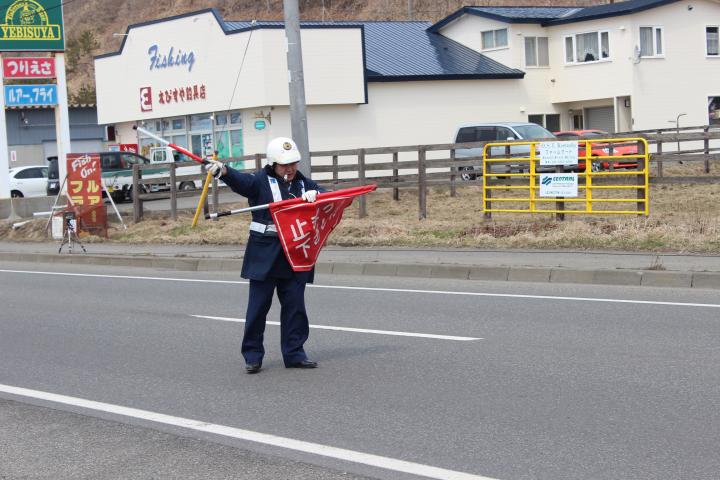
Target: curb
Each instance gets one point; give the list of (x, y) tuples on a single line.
[(645, 278)]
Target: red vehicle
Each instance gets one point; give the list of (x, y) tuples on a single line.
[(601, 149)]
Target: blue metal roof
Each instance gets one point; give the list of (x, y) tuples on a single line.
[(397, 51), (547, 16)]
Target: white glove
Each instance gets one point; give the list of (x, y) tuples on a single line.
[(216, 168), (310, 196)]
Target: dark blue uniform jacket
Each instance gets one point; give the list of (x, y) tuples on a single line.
[(264, 256)]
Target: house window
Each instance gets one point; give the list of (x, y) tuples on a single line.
[(494, 39), (651, 42), (536, 52), (551, 121), (711, 37), (587, 47)]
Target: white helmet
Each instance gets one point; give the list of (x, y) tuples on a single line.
[(282, 150)]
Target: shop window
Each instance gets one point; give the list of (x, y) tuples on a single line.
[(714, 111), (200, 122), (494, 38), (536, 52), (587, 47), (551, 121), (235, 118), (221, 119), (711, 41), (178, 124), (651, 41)]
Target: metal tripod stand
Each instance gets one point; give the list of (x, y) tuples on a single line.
[(71, 236)]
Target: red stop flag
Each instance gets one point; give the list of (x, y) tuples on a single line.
[(303, 227)]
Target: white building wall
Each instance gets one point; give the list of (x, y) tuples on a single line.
[(467, 30), (664, 88), (334, 69)]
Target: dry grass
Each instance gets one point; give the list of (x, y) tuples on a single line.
[(684, 218)]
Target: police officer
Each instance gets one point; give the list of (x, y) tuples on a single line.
[(265, 264)]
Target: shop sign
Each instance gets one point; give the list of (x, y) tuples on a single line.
[(172, 58), (28, 67), (559, 185), (32, 25), (146, 99), (558, 153), (84, 179), (182, 94), (30, 95), (259, 124)]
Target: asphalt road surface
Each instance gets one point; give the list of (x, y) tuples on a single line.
[(130, 373)]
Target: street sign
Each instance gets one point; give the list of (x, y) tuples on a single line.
[(32, 25), (28, 67), (30, 95)]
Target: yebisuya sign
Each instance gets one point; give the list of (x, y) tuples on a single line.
[(31, 25)]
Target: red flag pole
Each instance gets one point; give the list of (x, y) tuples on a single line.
[(213, 216), (171, 145)]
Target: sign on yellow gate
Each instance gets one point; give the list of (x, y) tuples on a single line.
[(596, 176)]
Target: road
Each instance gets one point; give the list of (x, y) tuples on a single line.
[(417, 379)]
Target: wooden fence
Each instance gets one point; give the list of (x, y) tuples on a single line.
[(423, 166)]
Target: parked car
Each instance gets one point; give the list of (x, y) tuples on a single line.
[(601, 149), (497, 132), (29, 181)]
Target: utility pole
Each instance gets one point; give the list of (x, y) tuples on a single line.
[(410, 10), (296, 79)]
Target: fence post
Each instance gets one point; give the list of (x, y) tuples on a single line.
[(453, 176), (173, 193), (362, 204), (137, 203), (706, 145), (659, 150), (560, 205), (640, 181), (395, 177), (258, 161), (215, 195), (206, 209), (422, 184), (335, 174)]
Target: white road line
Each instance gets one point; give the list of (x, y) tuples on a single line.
[(358, 330), (249, 435), (396, 290)]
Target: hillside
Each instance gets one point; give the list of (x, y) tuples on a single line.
[(91, 24)]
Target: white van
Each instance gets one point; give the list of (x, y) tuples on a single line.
[(167, 155), (496, 132)]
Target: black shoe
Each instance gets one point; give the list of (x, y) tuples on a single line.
[(253, 367), (302, 364)]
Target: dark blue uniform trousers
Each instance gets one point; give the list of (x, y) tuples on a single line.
[(294, 328)]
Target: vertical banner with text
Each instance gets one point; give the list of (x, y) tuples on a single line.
[(84, 188)]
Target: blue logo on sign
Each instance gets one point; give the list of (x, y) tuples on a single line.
[(547, 181), (259, 124), (160, 60)]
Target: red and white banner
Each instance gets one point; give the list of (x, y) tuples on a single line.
[(84, 179), (303, 227), (28, 67)]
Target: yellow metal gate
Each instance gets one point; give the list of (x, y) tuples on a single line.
[(607, 170)]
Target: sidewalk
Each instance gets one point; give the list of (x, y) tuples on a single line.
[(595, 267)]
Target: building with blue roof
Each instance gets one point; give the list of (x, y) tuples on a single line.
[(213, 84)]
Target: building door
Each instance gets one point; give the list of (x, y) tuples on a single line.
[(600, 118)]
